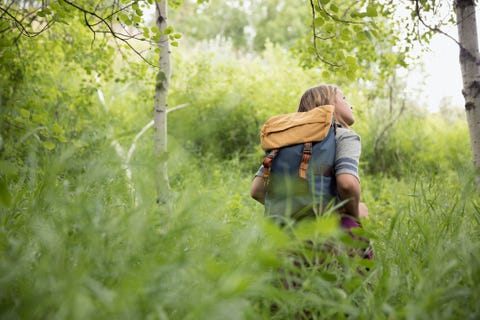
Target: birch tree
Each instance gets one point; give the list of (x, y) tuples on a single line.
[(161, 103), (469, 62), (463, 15)]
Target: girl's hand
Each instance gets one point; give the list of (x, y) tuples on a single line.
[(362, 210)]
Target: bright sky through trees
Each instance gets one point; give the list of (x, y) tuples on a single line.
[(441, 76)]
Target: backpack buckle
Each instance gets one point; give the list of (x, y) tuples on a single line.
[(267, 165), (307, 154)]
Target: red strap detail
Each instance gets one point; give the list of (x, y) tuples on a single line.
[(307, 154), (267, 165)]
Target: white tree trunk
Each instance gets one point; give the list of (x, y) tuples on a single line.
[(161, 104), (469, 61)]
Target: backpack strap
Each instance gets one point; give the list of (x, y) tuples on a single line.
[(302, 171), (307, 155), (267, 164)]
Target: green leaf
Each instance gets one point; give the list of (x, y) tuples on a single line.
[(137, 19), (367, 263), (318, 22), (351, 61), (328, 276), (25, 113), (330, 27), (174, 43), (345, 35), (57, 128), (40, 118), (322, 228), (48, 145), (372, 11), (361, 36), (123, 17), (168, 30)]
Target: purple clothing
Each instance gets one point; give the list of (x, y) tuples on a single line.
[(348, 223)]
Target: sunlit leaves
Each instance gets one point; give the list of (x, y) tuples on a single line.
[(361, 30), (333, 8), (319, 21), (371, 10), (125, 22)]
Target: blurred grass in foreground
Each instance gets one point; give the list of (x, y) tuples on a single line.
[(74, 246)]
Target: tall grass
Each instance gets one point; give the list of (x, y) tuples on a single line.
[(74, 245)]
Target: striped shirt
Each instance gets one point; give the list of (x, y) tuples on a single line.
[(348, 149)]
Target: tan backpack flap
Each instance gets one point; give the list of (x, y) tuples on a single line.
[(299, 127)]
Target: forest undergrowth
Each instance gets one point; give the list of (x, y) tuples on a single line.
[(79, 239), (82, 248)]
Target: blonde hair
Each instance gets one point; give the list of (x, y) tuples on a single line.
[(317, 96)]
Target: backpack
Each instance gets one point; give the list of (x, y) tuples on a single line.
[(298, 169)]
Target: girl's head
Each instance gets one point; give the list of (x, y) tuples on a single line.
[(326, 94), (317, 96)]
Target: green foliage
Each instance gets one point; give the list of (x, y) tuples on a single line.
[(279, 22), (227, 120), (45, 92), (349, 42), (412, 143), (353, 41), (81, 239), (250, 25), (77, 246), (211, 19)]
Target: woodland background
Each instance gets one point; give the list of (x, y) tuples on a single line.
[(81, 237)]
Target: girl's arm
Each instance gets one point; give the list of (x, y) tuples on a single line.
[(257, 190)]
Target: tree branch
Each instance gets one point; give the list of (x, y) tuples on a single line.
[(5, 10), (181, 106), (331, 16), (116, 35), (98, 20), (315, 37), (438, 30), (429, 27)]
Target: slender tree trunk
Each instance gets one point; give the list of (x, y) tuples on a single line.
[(469, 61), (161, 104)]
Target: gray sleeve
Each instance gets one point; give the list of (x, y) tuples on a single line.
[(347, 155)]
